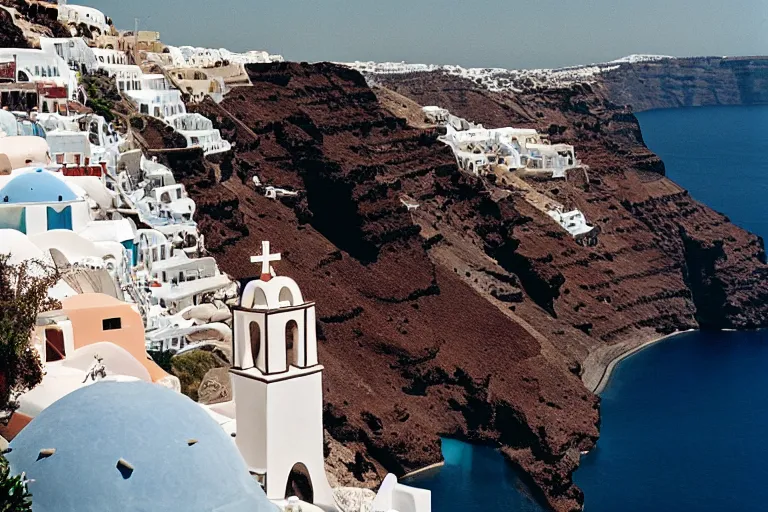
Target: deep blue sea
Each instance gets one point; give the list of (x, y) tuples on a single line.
[(685, 422)]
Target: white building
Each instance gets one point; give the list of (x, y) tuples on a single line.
[(394, 496), (477, 149), (101, 139), (77, 54), (277, 384), (157, 98), (151, 93), (191, 56), (110, 56), (127, 76), (435, 115), (69, 147), (573, 221), (74, 15), (199, 131), (40, 66), (37, 201)]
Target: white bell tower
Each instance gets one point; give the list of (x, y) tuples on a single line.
[(277, 383)]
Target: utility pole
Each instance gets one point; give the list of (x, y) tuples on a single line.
[(135, 41)]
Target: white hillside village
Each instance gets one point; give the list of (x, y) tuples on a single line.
[(509, 155), (82, 194)]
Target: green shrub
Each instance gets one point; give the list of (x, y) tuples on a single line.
[(14, 495), (190, 368)]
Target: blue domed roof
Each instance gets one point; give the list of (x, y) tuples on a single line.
[(151, 428), (36, 187)]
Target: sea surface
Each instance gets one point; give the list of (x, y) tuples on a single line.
[(475, 479), (719, 154), (685, 421)]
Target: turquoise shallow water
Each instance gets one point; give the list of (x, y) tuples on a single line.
[(474, 479), (685, 421)]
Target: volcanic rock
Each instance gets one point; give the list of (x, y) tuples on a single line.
[(472, 316)]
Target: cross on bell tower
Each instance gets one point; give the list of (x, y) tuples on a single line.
[(265, 259)]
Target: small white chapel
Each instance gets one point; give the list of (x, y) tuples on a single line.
[(274, 364)]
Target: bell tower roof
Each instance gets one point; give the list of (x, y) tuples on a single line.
[(270, 291)]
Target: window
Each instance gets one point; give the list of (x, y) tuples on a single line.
[(111, 324), (37, 70), (144, 109)]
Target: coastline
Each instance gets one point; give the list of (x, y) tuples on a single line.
[(610, 366)]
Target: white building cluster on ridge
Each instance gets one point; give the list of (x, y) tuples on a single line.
[(509, 155), (505, 80)]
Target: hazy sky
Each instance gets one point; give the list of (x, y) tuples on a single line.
[(500, 33)]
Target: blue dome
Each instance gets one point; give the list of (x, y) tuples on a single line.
[(151, 428), (36, 187)]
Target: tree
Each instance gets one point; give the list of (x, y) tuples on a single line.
[(14, 495), (23, 294)]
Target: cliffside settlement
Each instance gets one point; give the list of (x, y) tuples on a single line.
[(480, 243), (81, 194)]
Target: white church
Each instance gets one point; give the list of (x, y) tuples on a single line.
[(275, 362)]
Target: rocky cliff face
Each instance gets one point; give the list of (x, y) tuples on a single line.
[(412, 351), (11, 36), (689, 82), (475, 315)]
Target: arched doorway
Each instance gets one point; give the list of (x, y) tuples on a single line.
[(291, 344), (255, 335), (300, 484)]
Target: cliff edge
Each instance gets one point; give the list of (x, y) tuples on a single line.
[(473, 316)]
